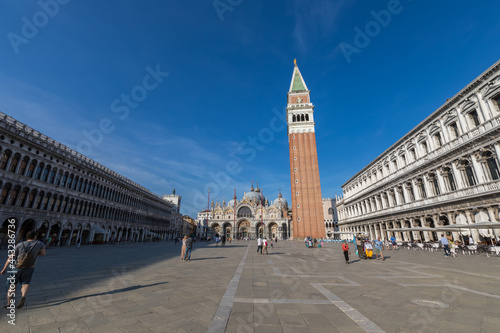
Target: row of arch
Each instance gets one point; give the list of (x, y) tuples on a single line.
[(14, 162), (15, 195), (468, 171), (74, 233), (300, 117), (465, 217), (451, 126), (244, 229)]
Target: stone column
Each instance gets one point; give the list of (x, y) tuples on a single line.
[(491, 214), (458, 176), (474, 232), (414, 233), (451, 219)]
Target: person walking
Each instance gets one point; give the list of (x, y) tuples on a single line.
[(446, 244), (183, 248), (259, 245), (345, 249), (265, 245), (189, 247), (24, 272), (378, 248)]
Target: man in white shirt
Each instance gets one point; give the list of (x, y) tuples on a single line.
[(446, 244), (259, 245)]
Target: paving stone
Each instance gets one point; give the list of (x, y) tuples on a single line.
[(123, 289)]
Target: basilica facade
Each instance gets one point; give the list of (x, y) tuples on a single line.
[(253, 216), (445, 171)]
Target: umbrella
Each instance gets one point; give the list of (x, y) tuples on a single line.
[(479, 225)]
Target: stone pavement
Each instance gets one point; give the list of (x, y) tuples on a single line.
[(145, 288)]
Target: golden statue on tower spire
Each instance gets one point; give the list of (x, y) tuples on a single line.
[(295, 62)]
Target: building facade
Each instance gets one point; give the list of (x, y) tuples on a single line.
[(56, 191), (252, 216), (307, 208), (445, 171), (331, 217)]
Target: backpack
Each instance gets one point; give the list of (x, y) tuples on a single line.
[(26, 259)]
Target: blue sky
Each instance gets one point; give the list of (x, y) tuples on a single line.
[(211, 114)]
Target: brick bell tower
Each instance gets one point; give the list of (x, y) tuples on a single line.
[(307, 204)]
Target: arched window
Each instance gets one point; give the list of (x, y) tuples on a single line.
[(302, 117), (52, 175), (468, 175), (70, 181), (5, 159), (38, 200), (453, 130), (13, 195), (437, 140), (307, 117), (424, 147), (23, 197), (330, 211), (23, 165), (14, 162), (58, 178), (31, 198), (38, 171), (473, 118), (45, 173), (31, 168), (4, 194), (491, 169), (293, 118)]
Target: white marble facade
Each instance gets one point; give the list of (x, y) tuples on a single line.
[(444, 171)]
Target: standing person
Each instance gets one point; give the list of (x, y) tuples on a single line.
[(378, 248), (394, 244), (259, 245), (183, 249), (345, 249), (265, 245), (23, 274), (446, 245), (359, 246), (272, 244), (223, 240), (189, 247)]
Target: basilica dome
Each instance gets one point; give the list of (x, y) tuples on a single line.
[(280, 201), (254, 196), (230, 203)]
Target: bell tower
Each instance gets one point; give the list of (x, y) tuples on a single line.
[(307, 204)]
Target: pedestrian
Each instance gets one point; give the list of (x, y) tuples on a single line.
[(446, 246), (183, 249), (378, 248), (259, 245), (265, 245), (23, 273), (223, 240), (189, 247), (272, 244), (345, 249), (359, 246), (394, 244)]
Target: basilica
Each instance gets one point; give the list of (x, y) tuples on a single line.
[(251, 217)]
